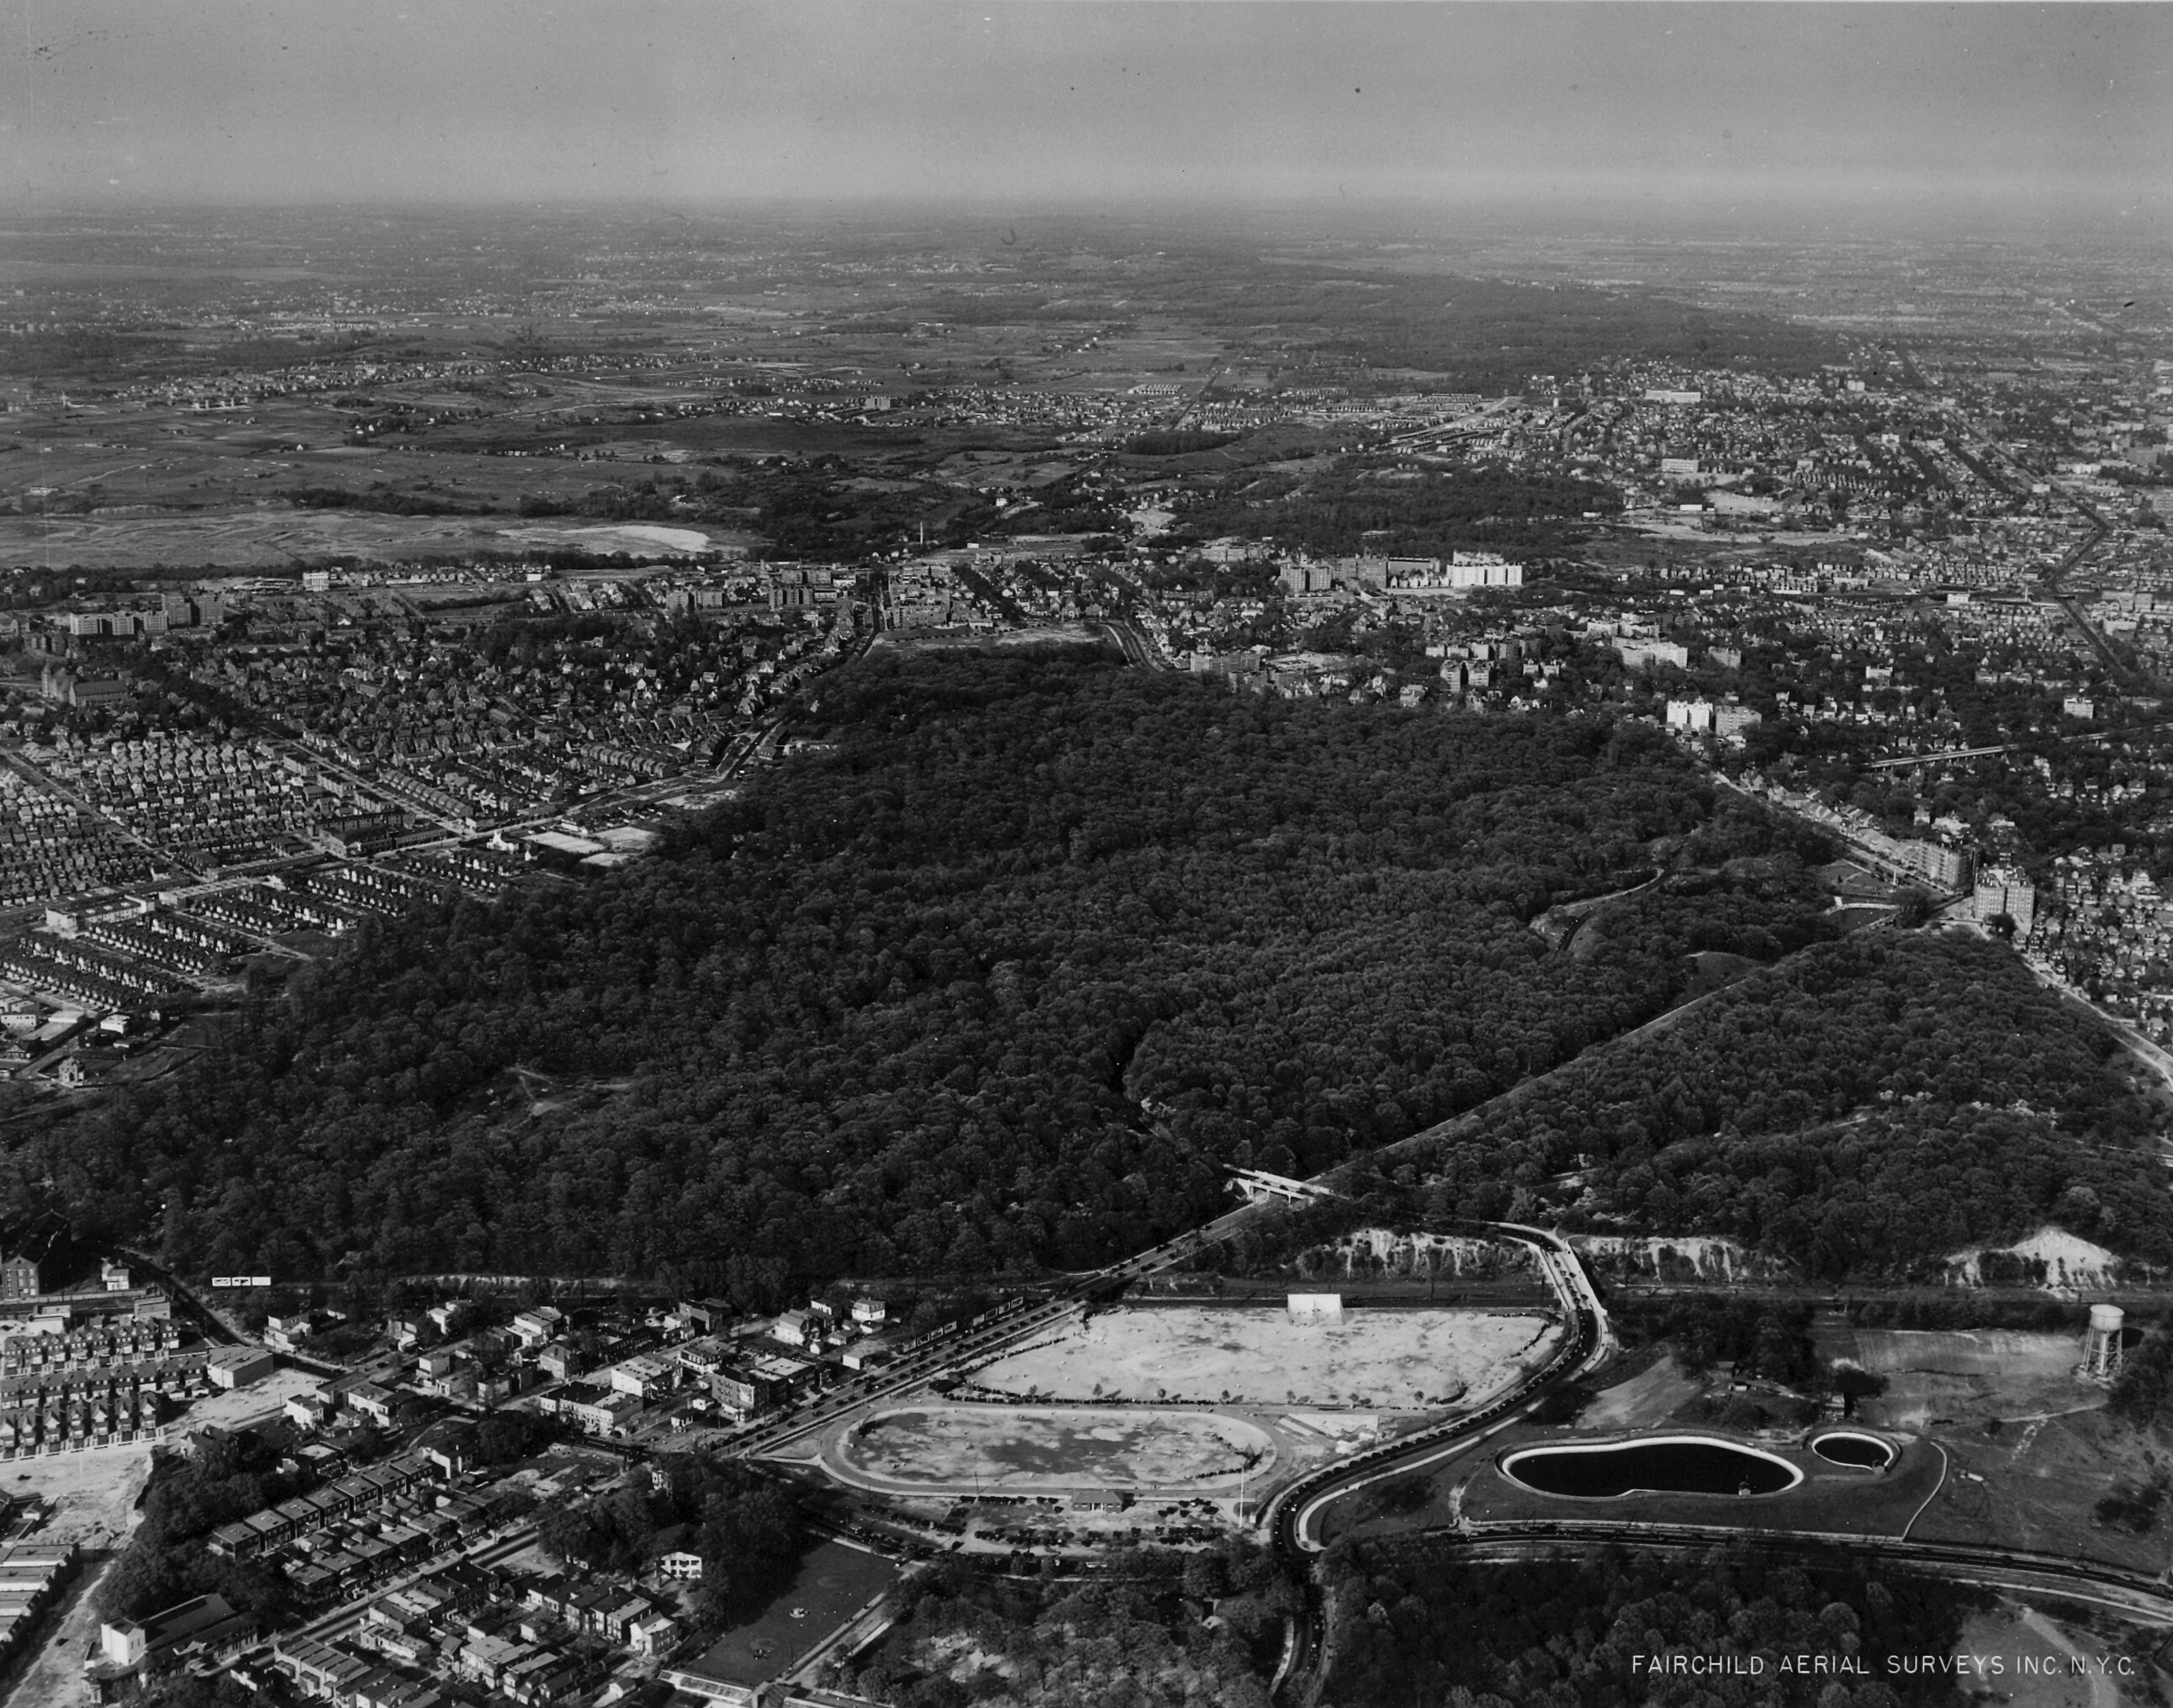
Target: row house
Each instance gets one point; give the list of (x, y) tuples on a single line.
[(131, 1343), (359, 1491), (598, 1610)]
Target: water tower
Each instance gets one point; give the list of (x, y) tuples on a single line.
[(2101, 1345)]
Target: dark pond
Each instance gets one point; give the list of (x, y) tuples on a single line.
[(1868, 1450), (1677, 1465)]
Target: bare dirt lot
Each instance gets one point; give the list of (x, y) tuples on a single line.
[(1964, 1374), (92, 1497), (277, 535), (1413, 1361), (999, 1446)]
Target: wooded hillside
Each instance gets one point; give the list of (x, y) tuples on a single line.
[(998, 982), (1872, 1105)]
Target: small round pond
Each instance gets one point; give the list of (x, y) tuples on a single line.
[(1847, 1447), (1658, 1464)]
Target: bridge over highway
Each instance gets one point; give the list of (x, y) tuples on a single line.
[(2027, 744), (1257, 1183)]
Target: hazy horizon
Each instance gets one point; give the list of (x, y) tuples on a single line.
[(1994, 118)]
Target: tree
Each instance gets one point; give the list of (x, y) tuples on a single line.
[(1913, 908), (1853, 1382), (570, 1535), (750, 1541), (900, 1009), (1206, 1575), (165, 1560)]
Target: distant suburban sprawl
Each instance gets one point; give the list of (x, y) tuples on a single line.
[(803, 959)]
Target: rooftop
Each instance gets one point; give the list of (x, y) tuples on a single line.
[(203, 1616)]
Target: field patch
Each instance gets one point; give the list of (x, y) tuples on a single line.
[(634, 538), (1010, 1448), (833, 1582), (1651, 1396), (2035, 1484), (1413, 1360), (1933, 1375), (273, 536)]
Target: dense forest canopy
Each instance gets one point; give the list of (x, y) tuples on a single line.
[(1869, 1105), (165, 1560), (1004, 974), (1411, 1625), (749, 1533), (1000, 980), (1131, 1634), (1354, 504)]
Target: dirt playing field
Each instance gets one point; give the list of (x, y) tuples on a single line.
[(1004, 1447), (1413, 1361)]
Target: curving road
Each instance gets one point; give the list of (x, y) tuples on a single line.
[(975, 1342), (1294, 1513), (1289, 1516)]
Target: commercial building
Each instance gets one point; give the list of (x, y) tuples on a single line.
[(20, 1276), (31, 1578), (2001, 890), (206, 1625), (1705, 717), (236, 1366)]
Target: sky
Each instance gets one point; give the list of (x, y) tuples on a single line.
[(1899, 108)]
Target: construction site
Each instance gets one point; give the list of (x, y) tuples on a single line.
[(1370, 1358)]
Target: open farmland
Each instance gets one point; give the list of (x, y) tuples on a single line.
[(1399, 1360), (1005, 1448), (275, 538)]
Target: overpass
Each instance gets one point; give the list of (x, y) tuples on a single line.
[(1941, 756), (1492, 416), (1257, 1183), (2026, 744)]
